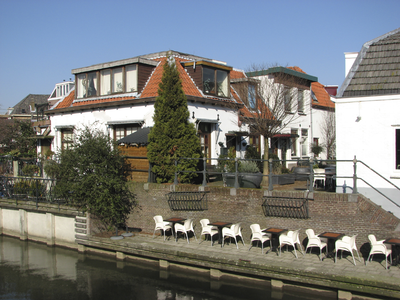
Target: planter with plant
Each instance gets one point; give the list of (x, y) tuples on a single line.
[(250, 176)]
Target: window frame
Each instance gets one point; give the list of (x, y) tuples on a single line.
[(112, 87), (216, 84), (66, 142), (300, 101), (127, 129)]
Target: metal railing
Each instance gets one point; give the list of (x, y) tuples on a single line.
[(30, 189), (286, 207)]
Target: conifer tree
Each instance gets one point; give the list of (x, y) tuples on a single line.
[(172, 136)]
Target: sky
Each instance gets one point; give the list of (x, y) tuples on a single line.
[(42, 41)]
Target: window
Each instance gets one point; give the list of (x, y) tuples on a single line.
[(252, 96), (110, 81), (293, 145), (254, 140), (121, 131), (287, 94), (117, 86), (205, 139), (300, 101), (87, 85), (304, 136), (131, 78), (67, 137), (398, 149), (105, 82), (215, 82)]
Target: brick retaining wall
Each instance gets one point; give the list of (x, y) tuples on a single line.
[(346, 213)]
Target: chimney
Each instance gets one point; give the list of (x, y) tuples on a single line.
[(350, 57)]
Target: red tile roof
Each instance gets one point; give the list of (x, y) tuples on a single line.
[(67, 101), (323, 98)]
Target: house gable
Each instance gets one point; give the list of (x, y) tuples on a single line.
[(376, 70)]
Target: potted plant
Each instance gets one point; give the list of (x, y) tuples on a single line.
[(316, 149), (251, 176)]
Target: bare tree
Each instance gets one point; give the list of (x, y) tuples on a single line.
[(272, 98), (329, 134)]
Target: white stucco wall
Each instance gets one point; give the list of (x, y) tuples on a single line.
[(365, 128), (228, 120)]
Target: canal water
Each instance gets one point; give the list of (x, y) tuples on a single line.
[(34, 271)]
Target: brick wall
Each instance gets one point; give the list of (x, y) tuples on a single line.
[(345, 213)]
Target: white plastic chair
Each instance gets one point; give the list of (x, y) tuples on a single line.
[(290, 239), (378, 247), (230, 233), (161, 225), (319, 174), (185, 229), (237, 228), (315, 241), (259, 236), (348, 244), (207, 229), (189, 227)]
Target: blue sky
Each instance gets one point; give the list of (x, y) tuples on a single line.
[(42, 41)]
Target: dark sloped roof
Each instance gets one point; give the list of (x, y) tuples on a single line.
[(139, 137), (23, 107), (376, 70)]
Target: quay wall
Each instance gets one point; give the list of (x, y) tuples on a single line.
[(345, 213), (44, 222)]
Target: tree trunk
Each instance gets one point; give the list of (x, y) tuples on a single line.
[(265, 181)]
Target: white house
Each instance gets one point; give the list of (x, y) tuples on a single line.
[(368, 122), (118, 97)]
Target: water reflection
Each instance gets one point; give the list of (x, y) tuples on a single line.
[(30, 270)]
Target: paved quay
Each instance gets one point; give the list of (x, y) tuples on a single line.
[(371, 280)]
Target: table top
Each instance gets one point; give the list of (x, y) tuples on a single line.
[(331, 235), (220, 223), (175, 220), (275, 230), (392, 241)]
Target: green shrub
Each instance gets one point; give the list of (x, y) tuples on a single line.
[(21, 187), (248, 167), (29, 170), (252, 153), (225, 165)]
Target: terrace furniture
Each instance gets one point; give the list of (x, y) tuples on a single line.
[(331, 238), (378, 247), (220, 226), (206, 229), (315, 241), (237, 228), (259, 236), (319, 175), (275, 233), (395, 242), (172, 222), (161, 225), (290, 239), (230, 233), (185, 228), (348, 244)]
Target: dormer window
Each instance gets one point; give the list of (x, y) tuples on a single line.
[(215, 82), (252, 96), (108, 81)]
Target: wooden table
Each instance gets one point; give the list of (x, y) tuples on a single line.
[(395, 243), (332, 238), (220, 225), (275, 233), (173, 221)]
